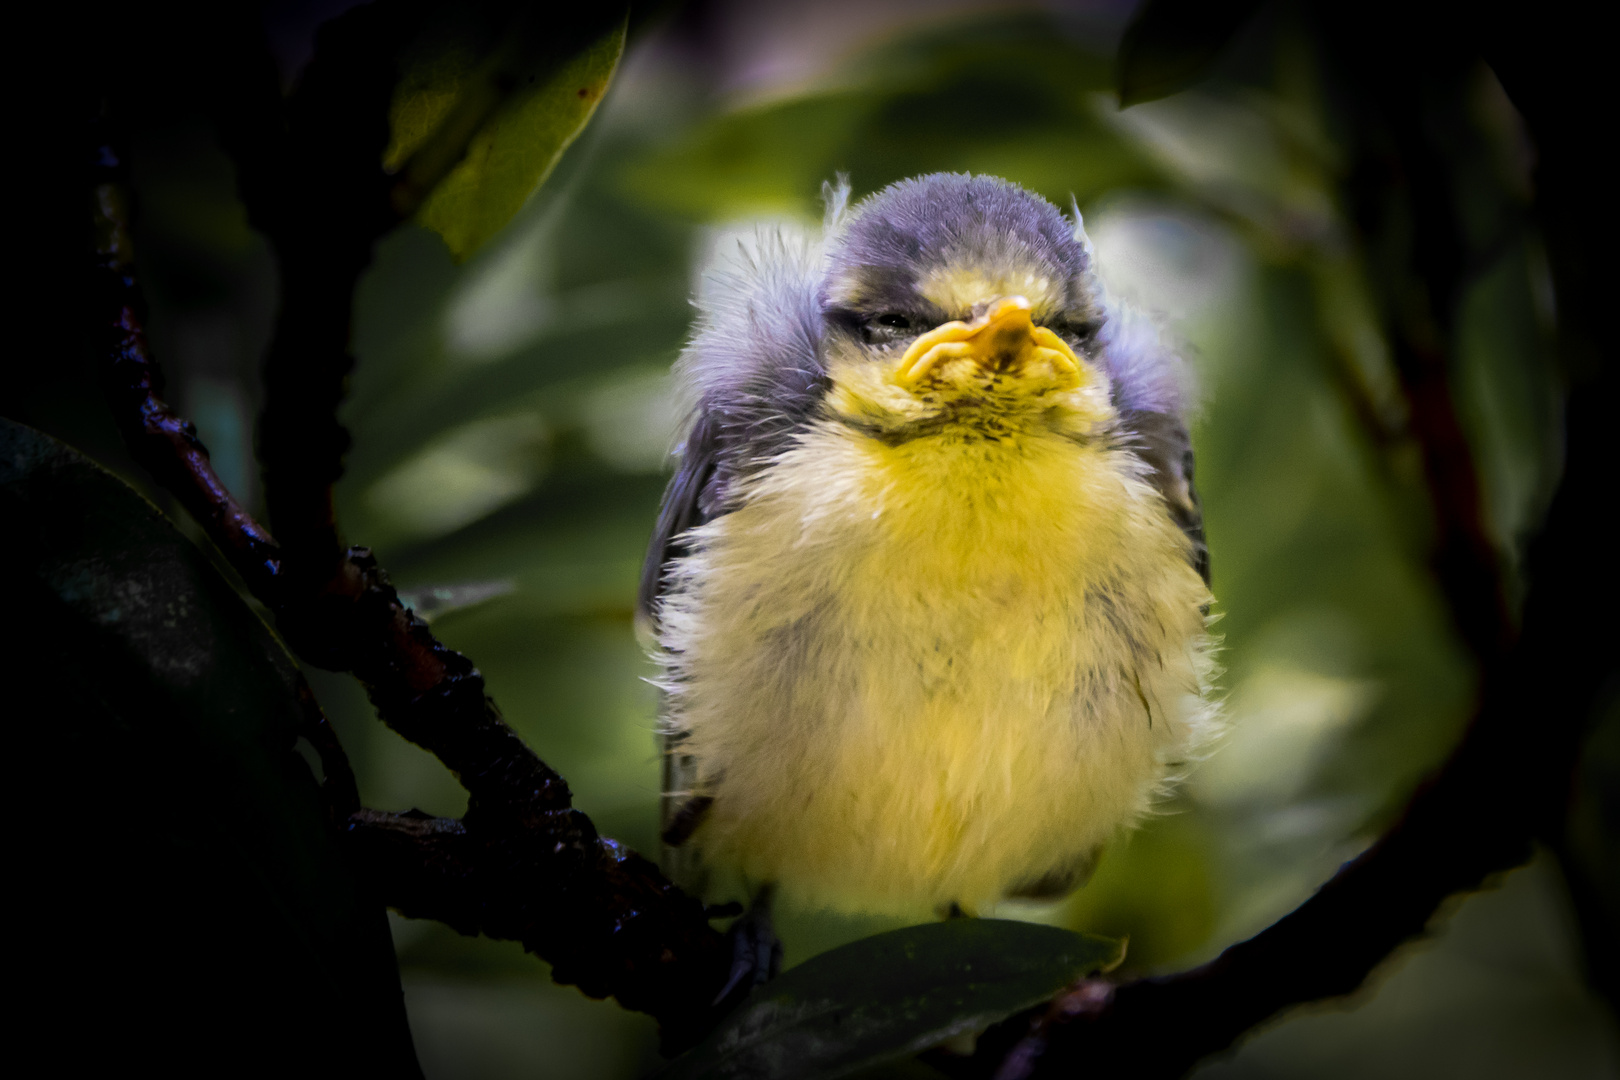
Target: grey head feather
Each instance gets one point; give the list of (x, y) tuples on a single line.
[(1080, 235), (1148, 373), (894, 238), (835, 197)]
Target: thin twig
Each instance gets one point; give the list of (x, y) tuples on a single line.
[(163, 443)]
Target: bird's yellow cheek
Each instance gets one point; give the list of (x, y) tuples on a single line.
[(866, 393)]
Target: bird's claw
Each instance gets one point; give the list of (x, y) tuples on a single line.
[(756, 951)]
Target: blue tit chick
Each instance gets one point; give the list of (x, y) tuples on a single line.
[(929, 586)]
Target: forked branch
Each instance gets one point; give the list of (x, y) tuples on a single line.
[(523, 865)]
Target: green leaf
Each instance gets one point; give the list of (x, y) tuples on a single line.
[(193, 867), (1172, 44), (479, 120), (891, 996)]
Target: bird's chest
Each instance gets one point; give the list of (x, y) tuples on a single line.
[(864, 595), (884, 655)]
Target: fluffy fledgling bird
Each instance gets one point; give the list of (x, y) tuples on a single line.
[(929, 585)]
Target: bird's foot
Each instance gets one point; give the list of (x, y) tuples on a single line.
[(756, 951)]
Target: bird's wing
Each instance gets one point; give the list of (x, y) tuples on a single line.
[(681, 810), (683, 509), (1149, 381), (1162, 442), (754, 367)]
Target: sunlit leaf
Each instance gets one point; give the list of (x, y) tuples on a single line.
[(477, 124), (891, 996), (188, 835)]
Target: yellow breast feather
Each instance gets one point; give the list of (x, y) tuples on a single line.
[(931, 670)]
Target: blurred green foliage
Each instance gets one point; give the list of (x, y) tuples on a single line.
[(512, 416), (1003, 97)]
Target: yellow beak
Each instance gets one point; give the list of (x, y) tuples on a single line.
[(1002, 339)]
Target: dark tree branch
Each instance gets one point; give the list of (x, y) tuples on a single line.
[(167, 446), (163, 443), (524, 865), (330, 203), (323, 215), (603, 916)]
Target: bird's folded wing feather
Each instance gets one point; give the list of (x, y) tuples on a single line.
[(755, 372), (1162, 442), (1150, 390), (682, 510)]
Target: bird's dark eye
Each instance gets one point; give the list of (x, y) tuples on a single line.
[(1085, 330), (886, 328)]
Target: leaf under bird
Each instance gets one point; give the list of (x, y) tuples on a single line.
[(929, 586)]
